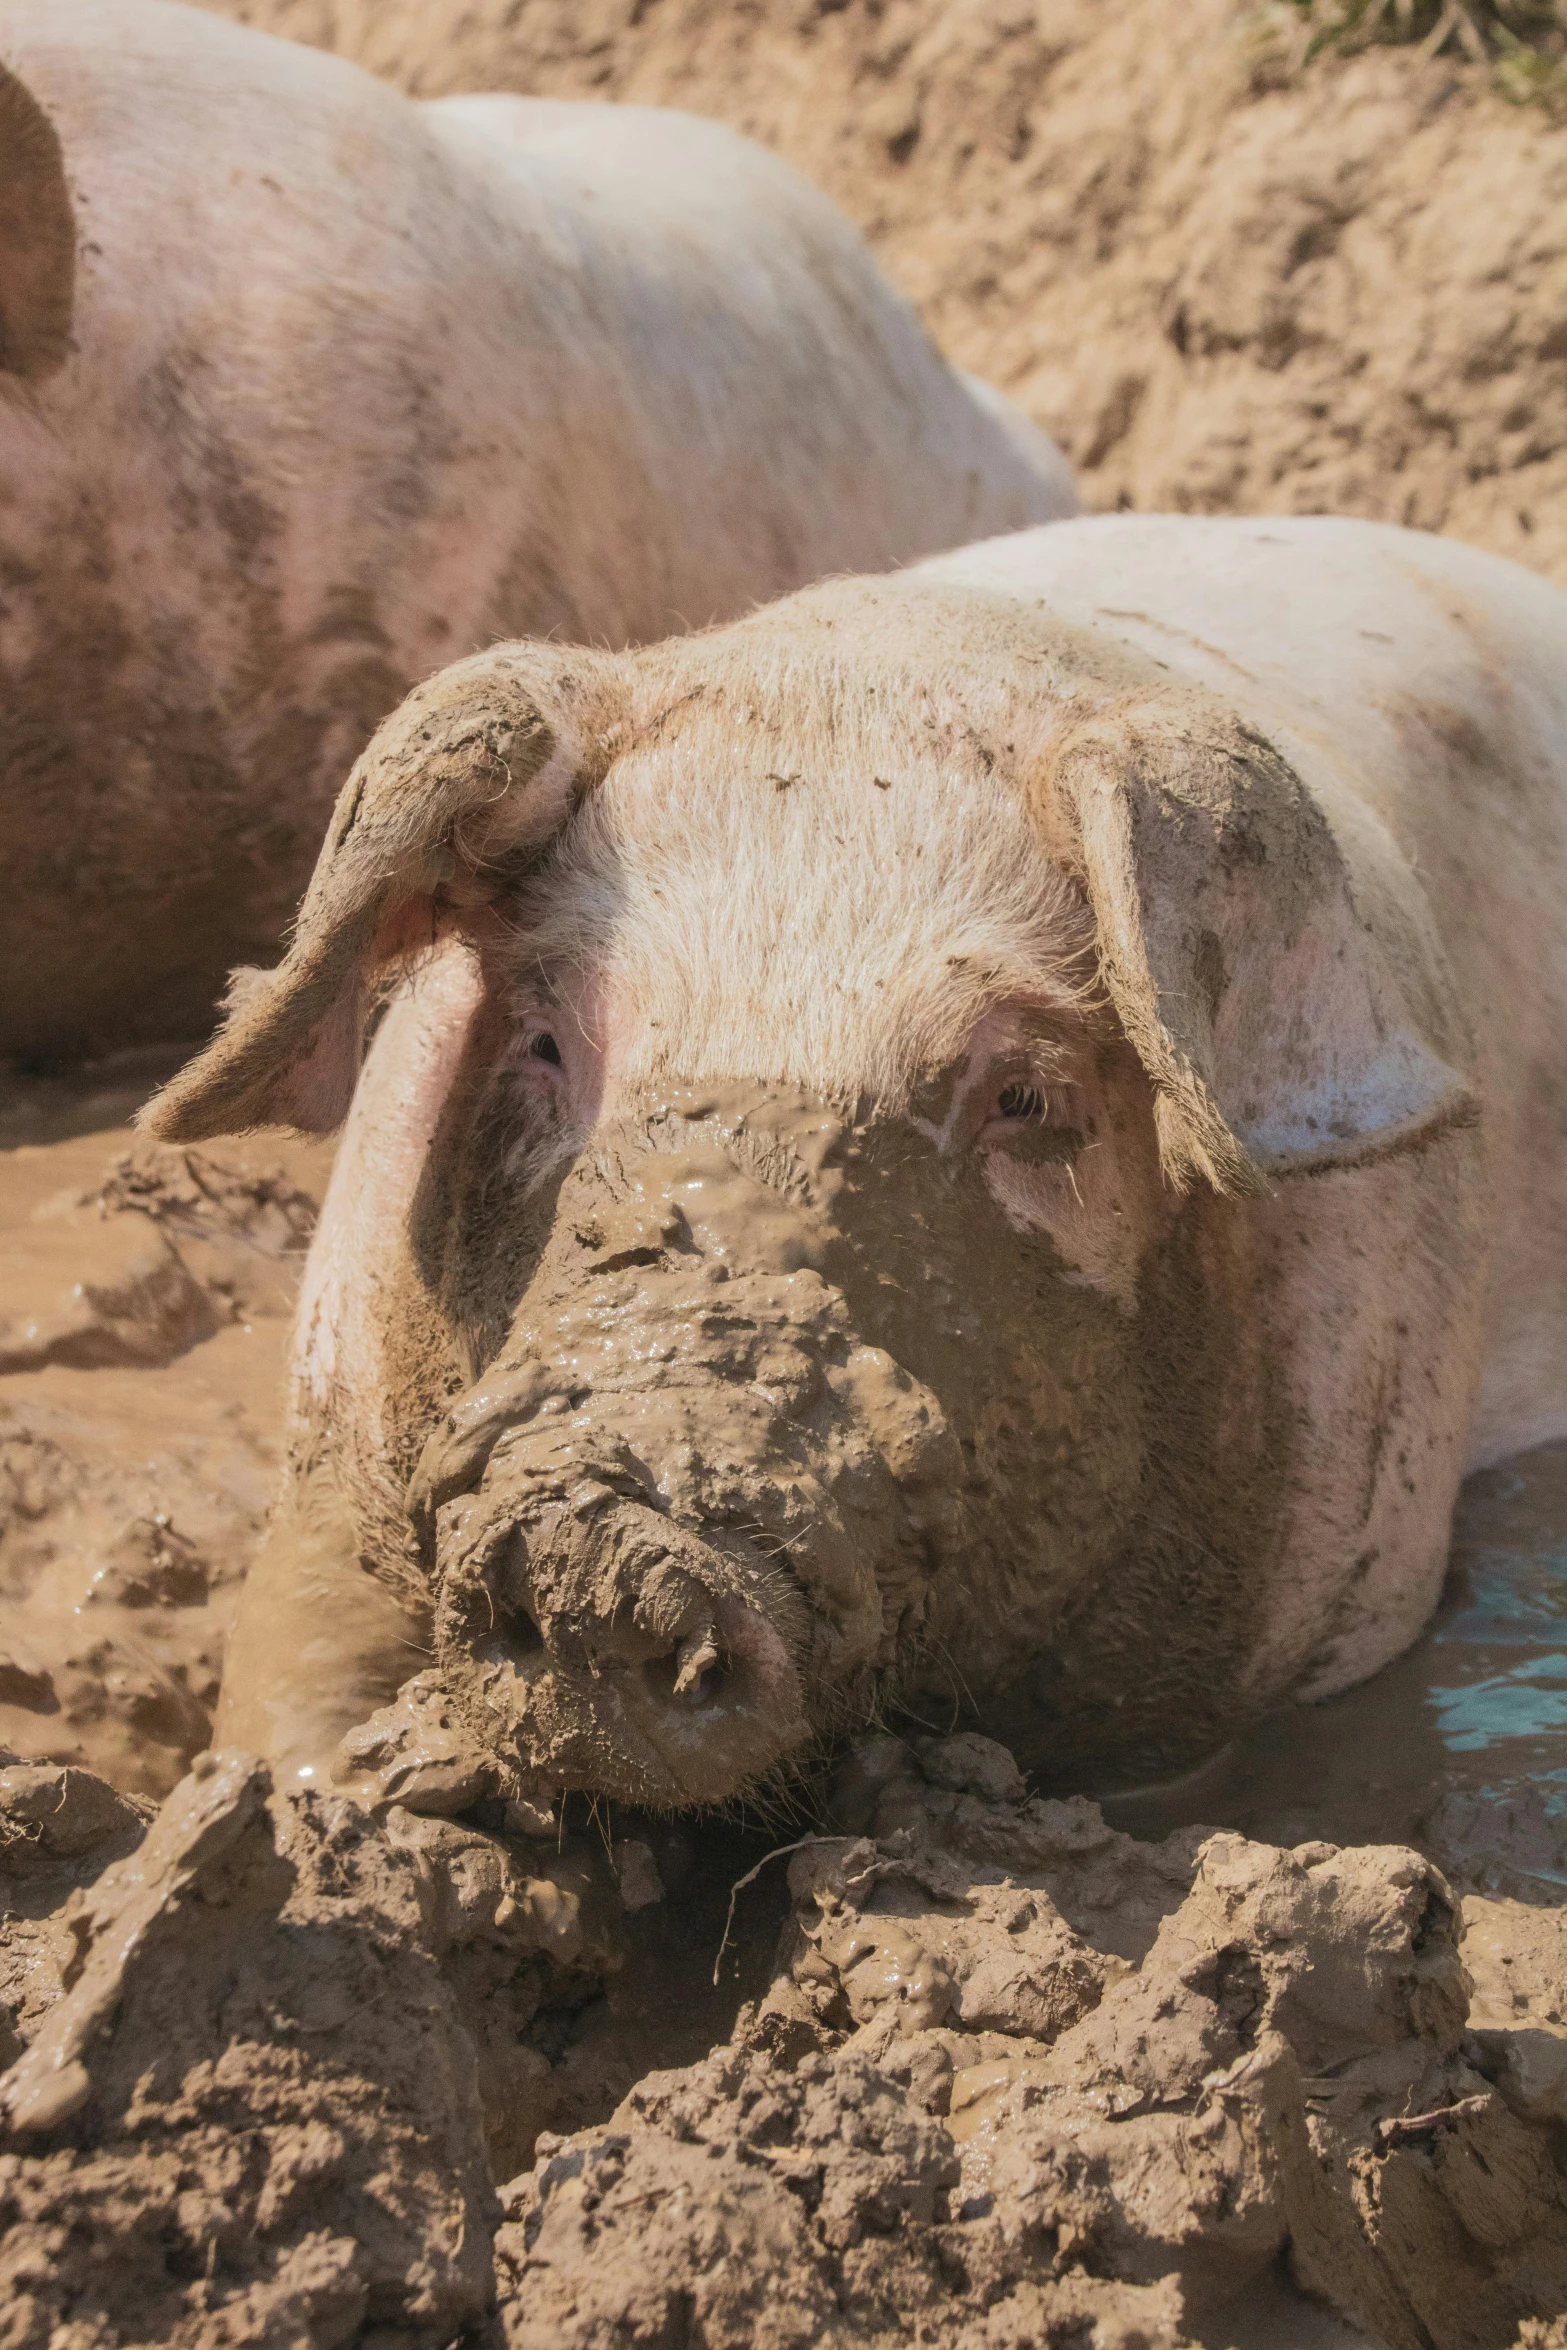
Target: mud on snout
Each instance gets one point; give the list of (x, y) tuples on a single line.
[(595, 1643), (683, 1528)]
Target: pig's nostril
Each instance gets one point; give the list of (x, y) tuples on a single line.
[(691, 1675), (521, 1633), (698, 1666), (700, 1691)]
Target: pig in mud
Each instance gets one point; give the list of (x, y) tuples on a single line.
[(987, 1141), (306, 389)]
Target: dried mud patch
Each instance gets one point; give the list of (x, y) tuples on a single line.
[(1016, 2080)]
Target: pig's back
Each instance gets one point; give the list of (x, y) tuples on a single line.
[(234, 521), (795, 416), (1431, 679), (344, 397)]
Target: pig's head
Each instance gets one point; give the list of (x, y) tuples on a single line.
[(877, 1011)]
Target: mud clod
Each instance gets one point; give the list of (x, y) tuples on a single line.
[(257, 2107), (1018, 2081), (253, 2114)]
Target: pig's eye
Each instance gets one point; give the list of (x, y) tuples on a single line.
[(1031, 1118), (544, 1048)]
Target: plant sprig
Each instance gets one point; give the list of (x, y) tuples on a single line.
[(1521, 43)]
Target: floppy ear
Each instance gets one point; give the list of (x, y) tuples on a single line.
[(457, 791), (37, 237), (1279, 980)]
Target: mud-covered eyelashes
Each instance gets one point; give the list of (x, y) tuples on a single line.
[(1021, 1105)]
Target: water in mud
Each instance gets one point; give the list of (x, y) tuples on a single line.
[(1457, 1745), (144, 1309)]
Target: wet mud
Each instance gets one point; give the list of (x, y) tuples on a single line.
[(1011, 2078), (1022, 2080), (145, 1297), (1276, 2055)]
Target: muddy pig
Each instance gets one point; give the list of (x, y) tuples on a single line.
[(986, 1142), (306, 389)]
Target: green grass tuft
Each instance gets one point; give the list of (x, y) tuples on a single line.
[(1521, 43)]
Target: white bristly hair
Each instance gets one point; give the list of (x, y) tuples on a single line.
[(802, 873)]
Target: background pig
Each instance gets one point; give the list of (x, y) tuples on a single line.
[(987, 1140), (305, 389)]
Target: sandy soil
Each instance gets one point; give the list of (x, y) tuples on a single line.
[(1221, 288)]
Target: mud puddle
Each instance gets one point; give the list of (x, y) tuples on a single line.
[(1457, 1746), (145, 1300)]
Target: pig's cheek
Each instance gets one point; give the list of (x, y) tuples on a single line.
[(1081, 1209)]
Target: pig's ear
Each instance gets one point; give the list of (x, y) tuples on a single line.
[(37, 237), (456, 793), (1277, 977)]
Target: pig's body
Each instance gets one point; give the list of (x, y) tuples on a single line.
[(1044, 1165), (306, 389)]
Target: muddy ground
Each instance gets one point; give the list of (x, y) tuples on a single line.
[(1287, 2066), (1273, 2059)]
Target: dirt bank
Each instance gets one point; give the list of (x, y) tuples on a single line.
[(1222, 285), (1016, 2081)]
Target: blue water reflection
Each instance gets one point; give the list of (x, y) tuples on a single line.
[(1528, 1702)]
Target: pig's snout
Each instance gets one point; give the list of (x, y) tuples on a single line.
[(603, 1646), (687, 1514)]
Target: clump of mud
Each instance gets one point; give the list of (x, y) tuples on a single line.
[(1019, 2077), (1017, 2080), (284, 2048)]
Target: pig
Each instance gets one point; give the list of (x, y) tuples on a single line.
[(306, 389), (982, 1145)]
